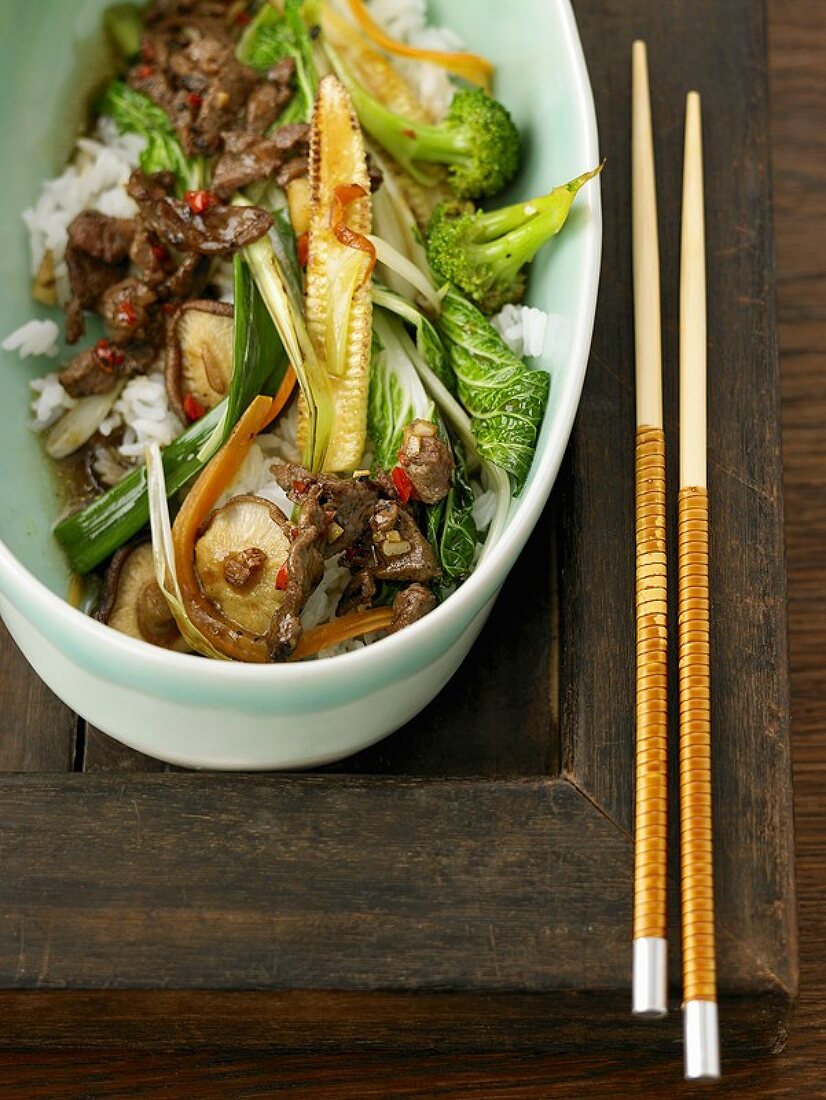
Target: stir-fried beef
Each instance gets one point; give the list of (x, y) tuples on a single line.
[(305, 568), (217, 229), (410, 605), (427, 461), (374, 174), (98, 235), (270, 98), (188, 280), (189, 69), (326, 500), (125, 307), (400, 550), (96, 370), (248, 157), (97, 255), (150, 256), (359, 593)]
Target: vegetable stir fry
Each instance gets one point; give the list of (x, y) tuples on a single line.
[(295, 423)]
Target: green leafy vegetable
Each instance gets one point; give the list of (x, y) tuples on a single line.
[(505, 398), (484, 253), (135, 113), (397, 395), (450, 525), (428, 340), (268, 39), (477, 141), (124, 25)]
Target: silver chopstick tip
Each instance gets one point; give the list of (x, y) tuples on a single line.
[(701, 1039), (650, 980)]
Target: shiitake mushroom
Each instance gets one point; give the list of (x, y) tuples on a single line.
[(132, 601), (239, 553), (199, 356)]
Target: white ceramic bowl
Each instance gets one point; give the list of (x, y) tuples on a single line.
[(181, 708)]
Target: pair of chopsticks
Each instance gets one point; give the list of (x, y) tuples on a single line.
[(650, 976)]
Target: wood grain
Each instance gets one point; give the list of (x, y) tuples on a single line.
[(37, 732), (798, 41)]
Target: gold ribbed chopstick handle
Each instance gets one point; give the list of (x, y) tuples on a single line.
[(699, 972), (651, 812)]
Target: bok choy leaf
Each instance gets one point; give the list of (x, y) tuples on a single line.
[(450, 525), (397, 395), (505, 398), (428, 340), (135, 113)]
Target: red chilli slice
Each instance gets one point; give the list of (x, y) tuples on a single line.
[(282, 578), (402, 484), (302, 246), (192, 407), (199, 201), (343, 195)]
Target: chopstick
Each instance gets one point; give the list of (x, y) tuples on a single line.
[(700, 1026), (650, 949)]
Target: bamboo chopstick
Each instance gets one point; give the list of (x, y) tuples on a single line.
[(700, 1027), (650, 981)]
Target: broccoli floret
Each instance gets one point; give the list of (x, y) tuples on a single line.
[(477, 141), (484, 253)]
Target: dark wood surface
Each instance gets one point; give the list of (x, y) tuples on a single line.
[(799, 64)]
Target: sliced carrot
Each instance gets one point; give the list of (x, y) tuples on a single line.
[(340, 630), (282, 394), (469, 66)]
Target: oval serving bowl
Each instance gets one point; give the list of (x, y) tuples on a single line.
[(200, 713)]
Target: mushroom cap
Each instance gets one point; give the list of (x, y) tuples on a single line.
[(133, 602), (244, 584), (199, 354)]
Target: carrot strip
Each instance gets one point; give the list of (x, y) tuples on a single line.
[(348, 626), (471, 67), (282, 394)]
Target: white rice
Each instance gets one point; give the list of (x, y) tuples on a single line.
[(49, 403), (34, 338), (523, 328), (143, 410), (93, 181), (406, 20)]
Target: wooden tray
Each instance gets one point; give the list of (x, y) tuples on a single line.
[(466, 883)]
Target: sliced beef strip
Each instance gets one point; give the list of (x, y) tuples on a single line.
[(305, 568), (125, 307), (248, 157), (87, 374), (359, 593), (101, 236), (427, 461), (347, 502), (219, 230), (400, 550), (188, 280), (149, 256), (265, 105), (410, 605), (297, 166), (195, 77), (97, 255)]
